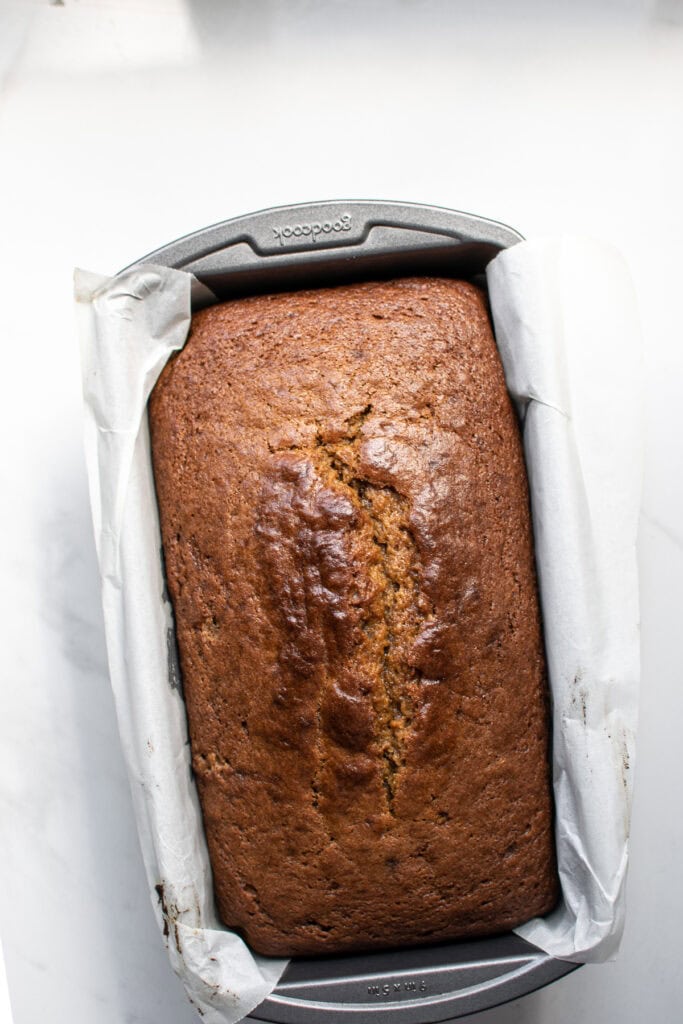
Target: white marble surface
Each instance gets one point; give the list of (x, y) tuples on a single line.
[(125, 123)]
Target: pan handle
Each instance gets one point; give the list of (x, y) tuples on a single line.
[(334, 241)]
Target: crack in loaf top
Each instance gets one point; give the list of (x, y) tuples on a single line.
[(346, 532)]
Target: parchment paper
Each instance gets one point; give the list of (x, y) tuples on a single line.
[(567, 331)]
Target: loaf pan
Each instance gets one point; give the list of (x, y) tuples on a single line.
[(328, 243)]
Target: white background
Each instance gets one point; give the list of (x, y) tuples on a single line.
[(126, 123)]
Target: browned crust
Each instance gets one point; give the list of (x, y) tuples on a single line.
[(346, 531)]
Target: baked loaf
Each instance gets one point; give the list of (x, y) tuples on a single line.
[(346, 531)]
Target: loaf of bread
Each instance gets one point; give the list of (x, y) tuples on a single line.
[(347, 541)]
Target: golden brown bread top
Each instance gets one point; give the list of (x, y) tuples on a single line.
[(347, 539)]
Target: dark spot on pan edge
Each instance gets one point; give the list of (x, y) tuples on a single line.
[(159, 889), (165, 595), (174, 678)]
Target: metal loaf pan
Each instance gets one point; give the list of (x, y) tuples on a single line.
[(329, 243)]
